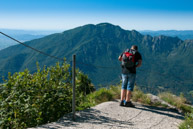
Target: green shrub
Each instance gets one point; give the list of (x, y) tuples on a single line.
[(83, 83), (28, 100)]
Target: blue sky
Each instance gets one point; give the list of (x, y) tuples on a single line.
[(67, 14)]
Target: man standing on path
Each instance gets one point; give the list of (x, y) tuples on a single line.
[(131, 59)]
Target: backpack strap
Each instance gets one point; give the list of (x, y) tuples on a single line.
[(127, 50)]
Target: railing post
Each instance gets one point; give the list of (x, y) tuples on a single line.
[(73, 85)]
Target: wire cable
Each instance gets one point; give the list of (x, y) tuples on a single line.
[(51, 56), (32, 47), (97, 66)]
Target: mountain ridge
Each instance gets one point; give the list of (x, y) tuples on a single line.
[(100, 45), (182, 34)]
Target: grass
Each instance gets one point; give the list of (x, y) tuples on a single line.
[(178, 101), (100, 96), (188, 123), (139, 96), (114, 92)]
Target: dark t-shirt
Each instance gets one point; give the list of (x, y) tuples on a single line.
[(131, 70)]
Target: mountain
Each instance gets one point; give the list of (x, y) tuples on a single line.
[(21, 35), (5, 42), (182, 34), (167, 63)]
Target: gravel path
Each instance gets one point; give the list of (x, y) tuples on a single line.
[(110, 115)]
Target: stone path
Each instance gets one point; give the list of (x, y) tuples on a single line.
[(110, 115)]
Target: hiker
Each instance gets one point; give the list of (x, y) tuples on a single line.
[(131, 59)]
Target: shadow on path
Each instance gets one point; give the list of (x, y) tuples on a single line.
[(162, 111), (90, 116)]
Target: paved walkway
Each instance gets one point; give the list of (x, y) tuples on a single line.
[(110, 115)]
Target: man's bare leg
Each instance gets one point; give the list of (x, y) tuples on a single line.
[(128, 96), (123, 94)]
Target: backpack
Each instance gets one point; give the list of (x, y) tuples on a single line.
[(128, 58)]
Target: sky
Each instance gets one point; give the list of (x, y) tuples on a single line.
[(68, 14)]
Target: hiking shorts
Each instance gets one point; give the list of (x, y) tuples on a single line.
[(128, 81)]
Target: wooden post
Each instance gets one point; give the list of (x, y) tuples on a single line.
[(73, 85)]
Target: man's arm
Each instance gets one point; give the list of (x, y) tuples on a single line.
[(139, 63), (120, 58)]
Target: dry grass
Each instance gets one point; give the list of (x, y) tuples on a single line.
[(178, 101), (139, 96)]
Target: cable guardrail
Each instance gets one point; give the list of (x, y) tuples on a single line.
[(51, 56)]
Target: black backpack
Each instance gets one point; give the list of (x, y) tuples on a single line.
[(128, 58)]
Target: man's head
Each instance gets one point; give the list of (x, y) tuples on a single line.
[(134, 47)]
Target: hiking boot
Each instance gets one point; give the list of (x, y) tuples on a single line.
[(122, 103), (129, 104)]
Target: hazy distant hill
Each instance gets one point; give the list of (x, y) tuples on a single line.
[(184, 35), (22, 35), (167, 61)]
